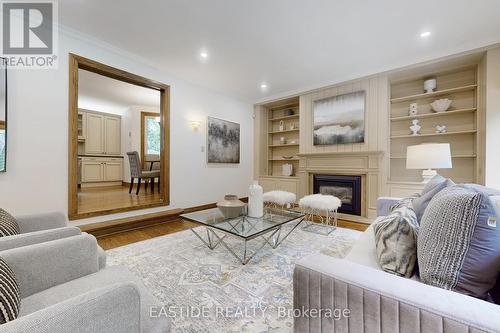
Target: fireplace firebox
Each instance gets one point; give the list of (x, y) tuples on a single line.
[(346, 188)]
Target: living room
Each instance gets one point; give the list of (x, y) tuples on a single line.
[(279, 166)]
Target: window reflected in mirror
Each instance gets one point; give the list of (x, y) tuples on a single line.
[(150, 144)]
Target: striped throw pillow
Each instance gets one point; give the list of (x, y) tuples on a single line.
[(8, 224), (459, 241), (396, 241), (9, 294)]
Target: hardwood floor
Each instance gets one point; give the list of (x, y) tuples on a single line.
[(128, 237), (112, 197), (132, 236)]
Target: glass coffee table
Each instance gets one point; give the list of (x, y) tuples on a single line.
[(267, 228)]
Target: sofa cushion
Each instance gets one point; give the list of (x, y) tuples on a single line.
[(9, 293), (364, 251), (104, 277), (8, 224), (396, 240), (459, 242), (433, 187), (495, 292)]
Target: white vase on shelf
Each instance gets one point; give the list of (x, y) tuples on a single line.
[(287, 170), (430, 85), (413, 109)]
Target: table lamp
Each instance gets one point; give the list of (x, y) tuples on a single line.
[(428, 156)]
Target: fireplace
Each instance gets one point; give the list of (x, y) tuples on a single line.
[(346, 188)]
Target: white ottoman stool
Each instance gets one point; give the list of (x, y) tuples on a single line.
[(314, 206), (279, 199)]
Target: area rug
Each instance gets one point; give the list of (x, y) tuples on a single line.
[(207, 290)]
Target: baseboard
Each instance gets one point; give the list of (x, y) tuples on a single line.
[(111, 227), (107, 228), (100, 184)]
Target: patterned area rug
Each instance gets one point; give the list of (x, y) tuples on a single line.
[(210, 291)]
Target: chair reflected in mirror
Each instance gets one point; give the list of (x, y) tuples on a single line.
[(136, 171)]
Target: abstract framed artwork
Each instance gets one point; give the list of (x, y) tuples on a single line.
[(339, 119), (223, 141)]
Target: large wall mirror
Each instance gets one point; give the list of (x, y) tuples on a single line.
[(119, 140), (3, 115)]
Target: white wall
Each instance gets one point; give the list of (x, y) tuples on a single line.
[(492, 171), (37, 175)]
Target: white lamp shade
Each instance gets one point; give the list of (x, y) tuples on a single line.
[(429, 156)]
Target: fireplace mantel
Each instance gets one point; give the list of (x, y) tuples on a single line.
[(348, 153), (367, 164)]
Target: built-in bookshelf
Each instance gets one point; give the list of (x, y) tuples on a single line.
[(283, 122), (461, 120)]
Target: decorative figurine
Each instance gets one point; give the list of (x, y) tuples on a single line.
[(282, 140), (413, 109), (292, 126), (430, 85), (282, 125), (415, 128), (441, 129)]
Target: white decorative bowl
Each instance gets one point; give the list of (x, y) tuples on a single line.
[(441, 105)]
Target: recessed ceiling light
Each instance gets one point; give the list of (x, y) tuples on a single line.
[(263, 85), (425, 34), (204, 54)]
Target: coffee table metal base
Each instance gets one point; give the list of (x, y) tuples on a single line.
[(273, 238)]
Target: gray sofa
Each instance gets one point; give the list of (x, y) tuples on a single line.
[(39, 228), (63, 290), (379, 301)]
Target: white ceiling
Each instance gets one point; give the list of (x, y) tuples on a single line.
[(289, 44), (98, 89)]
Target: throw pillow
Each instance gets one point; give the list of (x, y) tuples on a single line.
[(434, 186), (459, 242), (404, 202), (9, 294), (495, 292), (8, 224), (396, 241)]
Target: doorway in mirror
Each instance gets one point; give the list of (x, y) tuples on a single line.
[(119, 155)]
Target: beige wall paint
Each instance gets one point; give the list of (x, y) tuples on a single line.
[(376, 121), (376, 116), (493, 118)]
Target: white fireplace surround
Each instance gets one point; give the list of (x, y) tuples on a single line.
[(364, 164)]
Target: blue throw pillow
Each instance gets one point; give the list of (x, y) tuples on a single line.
[(495, 292), (433, 187), (459, 241)]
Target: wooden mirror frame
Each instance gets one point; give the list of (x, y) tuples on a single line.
[(77, 62)]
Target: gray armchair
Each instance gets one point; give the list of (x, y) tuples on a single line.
[(137, 172), (63, 290), (39, 228)]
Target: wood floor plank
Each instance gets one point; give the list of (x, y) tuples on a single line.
[(96, 199)]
